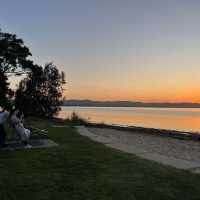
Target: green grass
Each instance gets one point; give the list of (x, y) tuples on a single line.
[(82, 169)]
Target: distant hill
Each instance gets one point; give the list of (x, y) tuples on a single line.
[(91, 103)]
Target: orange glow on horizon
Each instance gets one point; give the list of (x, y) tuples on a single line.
[(178, 99), (177, 92)]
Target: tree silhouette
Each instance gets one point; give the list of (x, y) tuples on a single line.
[(13, 59), (41, 92)]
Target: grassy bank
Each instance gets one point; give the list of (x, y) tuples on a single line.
[(82, 169)]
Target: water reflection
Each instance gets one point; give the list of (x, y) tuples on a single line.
[(167, 118)]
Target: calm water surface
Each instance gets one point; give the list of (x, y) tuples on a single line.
[(185, 119)]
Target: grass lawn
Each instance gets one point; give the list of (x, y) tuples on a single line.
[(82, 169)]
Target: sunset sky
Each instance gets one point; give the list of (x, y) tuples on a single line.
[(138, 50)]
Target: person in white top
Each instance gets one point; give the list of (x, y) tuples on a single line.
[(3, 118), (16, 118)]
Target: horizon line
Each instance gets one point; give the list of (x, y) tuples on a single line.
[(156, 102)]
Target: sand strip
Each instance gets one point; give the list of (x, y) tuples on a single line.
[(181, 154)]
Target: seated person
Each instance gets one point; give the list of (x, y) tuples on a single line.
[(3, 117), (16, 118)]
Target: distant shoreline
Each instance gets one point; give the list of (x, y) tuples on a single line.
[(91, 103), (125, 106)]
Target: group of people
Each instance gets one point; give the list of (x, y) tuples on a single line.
[(16, 120)]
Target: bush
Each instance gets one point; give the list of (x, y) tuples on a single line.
[(77, 120)]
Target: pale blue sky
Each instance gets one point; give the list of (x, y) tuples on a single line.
[(114, 49)]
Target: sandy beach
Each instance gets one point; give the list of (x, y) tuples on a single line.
[(179, 153)]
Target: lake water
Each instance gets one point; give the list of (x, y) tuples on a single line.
[(183, 119)]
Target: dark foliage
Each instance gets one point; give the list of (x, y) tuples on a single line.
[(13, 58), (75, 119), (40, 93)]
